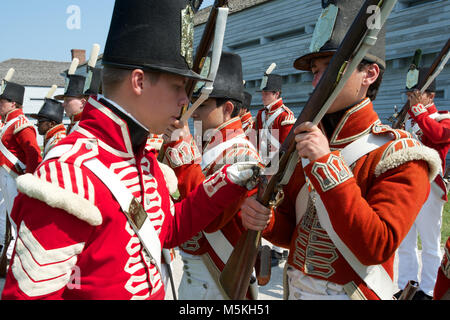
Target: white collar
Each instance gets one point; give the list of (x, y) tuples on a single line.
[(272, 104), (99, 96)]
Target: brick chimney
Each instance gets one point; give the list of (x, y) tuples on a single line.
[(80, 54)]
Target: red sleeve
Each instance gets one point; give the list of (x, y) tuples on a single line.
[(26, 139), (436, 131), (184, 158), (56, 238), (284, 124), (371, 225), (443, 278), (202, 205)]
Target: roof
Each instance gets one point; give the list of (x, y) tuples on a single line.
[(234, 5), (37, 73)]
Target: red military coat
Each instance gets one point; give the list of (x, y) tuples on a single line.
[(443, 278), (434, 132), (53, 137), (74, 241), (283, 122), (371, 205), (20, 139), (229, 223), (247, 122)]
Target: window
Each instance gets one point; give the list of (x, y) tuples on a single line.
[(440, 94), (404, 4), (243, 45), (287, 34)]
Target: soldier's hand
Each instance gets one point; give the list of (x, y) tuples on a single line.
[(311, 142), (254, 215), (415, 97), (176, 131), (244, 174)]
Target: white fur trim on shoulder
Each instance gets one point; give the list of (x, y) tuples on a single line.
[(441, 117), (170, 177), (417, 152), (59, 198)]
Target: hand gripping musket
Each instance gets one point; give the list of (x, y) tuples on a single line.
[(433, 72), (213, 35), (360, 37)]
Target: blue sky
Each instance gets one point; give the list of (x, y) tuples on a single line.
[(46, 30)]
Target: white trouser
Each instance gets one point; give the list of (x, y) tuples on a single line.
[(196, 282), (8, 188), (304, 287), (2, 219), (428, 226)]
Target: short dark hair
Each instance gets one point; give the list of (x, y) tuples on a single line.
[(237, 105), (112, 77), (374, 87)]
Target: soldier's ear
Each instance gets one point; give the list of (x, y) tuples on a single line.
[(371, 74), (137, 79), (228, 108)]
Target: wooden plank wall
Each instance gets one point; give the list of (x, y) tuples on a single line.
[(280, 31)]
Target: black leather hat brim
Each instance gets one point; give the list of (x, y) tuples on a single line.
[(181, 72), (304, 62), (62, 96)]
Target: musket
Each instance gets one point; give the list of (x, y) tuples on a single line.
[(201, 54), (437, 66), (235, 277), (204, 46), (409, 291)]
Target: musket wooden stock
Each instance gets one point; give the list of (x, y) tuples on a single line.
[(235, 277), (402, 114)]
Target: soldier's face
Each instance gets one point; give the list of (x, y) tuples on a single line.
[(355, 89), (161, 102), (43, 126), (73, 106), (6, 106), (269, 97), (209, 114)]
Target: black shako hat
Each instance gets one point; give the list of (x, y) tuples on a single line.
[(93, 84), (422, 74), (229, 83), (74, 87), (51, 110), (152, 34), (274, 83), (336, 18), (247, 100), (13, 92)]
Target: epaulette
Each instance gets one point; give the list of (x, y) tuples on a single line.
[(402, 149), (61, 183), (21, 124), (182, 152), (289, 119)]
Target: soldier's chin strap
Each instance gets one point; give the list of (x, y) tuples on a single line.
[(219, 34)]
